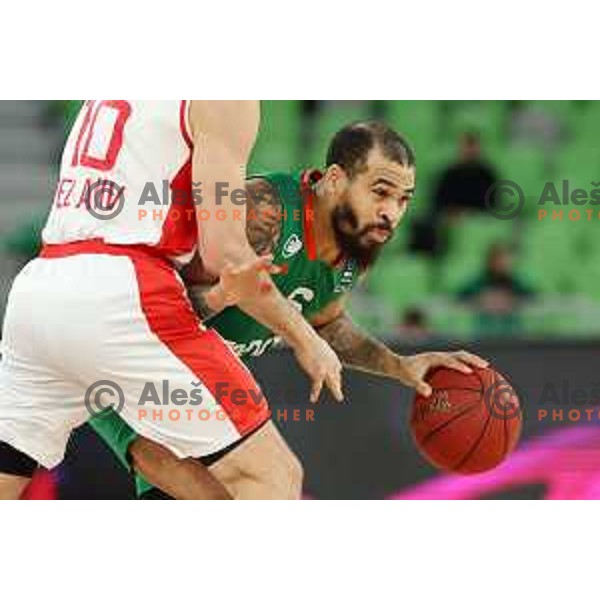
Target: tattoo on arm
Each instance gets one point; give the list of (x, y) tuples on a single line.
[(263, 228), (264, 216), (359, 350)]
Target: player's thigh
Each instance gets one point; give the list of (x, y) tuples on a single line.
[(177, 383), (264, 458), (39, 405), (48, 344), (186, 396), (38, 414)]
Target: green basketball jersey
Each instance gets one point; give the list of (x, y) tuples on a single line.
[(309, 284)]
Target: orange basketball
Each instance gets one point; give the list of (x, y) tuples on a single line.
[(470, 423)]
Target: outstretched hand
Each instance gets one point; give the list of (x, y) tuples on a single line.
[(239, 283), (417, 366)]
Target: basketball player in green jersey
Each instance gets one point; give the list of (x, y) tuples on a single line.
[(326, 229)]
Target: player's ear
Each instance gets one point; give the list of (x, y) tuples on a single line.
[(335, 178)]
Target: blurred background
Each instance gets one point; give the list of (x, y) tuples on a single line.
[(453, 270), (524, 291)]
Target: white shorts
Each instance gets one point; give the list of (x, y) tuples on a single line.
[(115, 323)]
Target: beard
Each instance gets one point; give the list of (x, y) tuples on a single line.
[(353, 241)]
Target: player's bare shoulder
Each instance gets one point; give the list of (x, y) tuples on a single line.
[(264, 215)]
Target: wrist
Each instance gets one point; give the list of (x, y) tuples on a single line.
[(298, 333)]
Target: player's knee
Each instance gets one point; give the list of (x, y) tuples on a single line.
[(278, 479), (290, 477)]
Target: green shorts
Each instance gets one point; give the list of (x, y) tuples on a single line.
[(119, 436)]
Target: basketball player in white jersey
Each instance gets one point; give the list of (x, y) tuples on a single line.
[(104, 303)]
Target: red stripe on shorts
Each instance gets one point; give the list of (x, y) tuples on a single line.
[(171, 318)]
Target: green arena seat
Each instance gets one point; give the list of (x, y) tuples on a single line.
[(526, 166), (586, 128), (278, 141), (547, 256), (333, 116), (586, 275), (453, 321), (401, 281), (474, 234), (487, 118), (418, 120), (457, 271)]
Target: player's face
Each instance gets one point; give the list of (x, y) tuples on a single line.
[(370, 207)]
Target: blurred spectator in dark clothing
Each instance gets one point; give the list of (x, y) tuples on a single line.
[(497, 294), (461, 188), (413, 324), (464, 185)]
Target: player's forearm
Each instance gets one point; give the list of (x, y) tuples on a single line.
[(358, 350), (224, 241), (224, 135), (271, 309), (275, 312)]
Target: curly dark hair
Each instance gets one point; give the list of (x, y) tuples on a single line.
[(351, 146)]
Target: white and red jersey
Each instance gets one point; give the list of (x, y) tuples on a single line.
[(134, 157)]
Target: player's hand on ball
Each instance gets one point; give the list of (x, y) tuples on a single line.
[(238, 283), (323, 366), (416, 367)]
